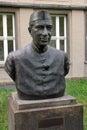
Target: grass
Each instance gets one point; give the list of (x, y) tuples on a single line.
[(76, 88), (4, 93)]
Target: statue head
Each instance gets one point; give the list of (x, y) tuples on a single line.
[(40, 28)]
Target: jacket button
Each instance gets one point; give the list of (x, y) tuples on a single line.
[(46, 67)]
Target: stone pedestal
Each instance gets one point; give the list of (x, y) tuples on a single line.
[(62, 113)]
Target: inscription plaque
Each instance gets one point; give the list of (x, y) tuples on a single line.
[(49, 122)]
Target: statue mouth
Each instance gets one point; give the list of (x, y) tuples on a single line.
[(44, 40)]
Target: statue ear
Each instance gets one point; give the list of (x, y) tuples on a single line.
[(29, 29)]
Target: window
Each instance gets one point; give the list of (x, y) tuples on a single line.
[(7, 35), (59, 32)]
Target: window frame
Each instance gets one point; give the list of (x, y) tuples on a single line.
[(5, 38), (57, 37)]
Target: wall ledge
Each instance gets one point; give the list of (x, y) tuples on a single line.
[(42, 6)]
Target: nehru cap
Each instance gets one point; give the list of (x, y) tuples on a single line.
[(39, 15)]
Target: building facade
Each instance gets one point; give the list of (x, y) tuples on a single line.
[(69, 30)]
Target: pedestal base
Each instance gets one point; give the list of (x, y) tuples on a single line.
[(62, 113)]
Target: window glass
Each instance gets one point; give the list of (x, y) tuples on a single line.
[(1, 51), (10, 45), (9, 25), (61, 26), (1, 25), (53, 26), (53, 43), (62, 45)]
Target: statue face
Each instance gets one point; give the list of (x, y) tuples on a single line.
[(41, 32)]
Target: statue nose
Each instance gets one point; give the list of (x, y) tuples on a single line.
[(45, 32)]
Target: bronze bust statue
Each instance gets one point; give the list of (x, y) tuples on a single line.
[(38, 69)]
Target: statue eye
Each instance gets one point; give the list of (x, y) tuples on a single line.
[(39, 27), (49, 27)]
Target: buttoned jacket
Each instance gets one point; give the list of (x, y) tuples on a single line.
[(38, 73)]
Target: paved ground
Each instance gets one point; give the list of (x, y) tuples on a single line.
[(7, 86)]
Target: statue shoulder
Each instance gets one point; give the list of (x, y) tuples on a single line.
[(56, 51), (20, 53)]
